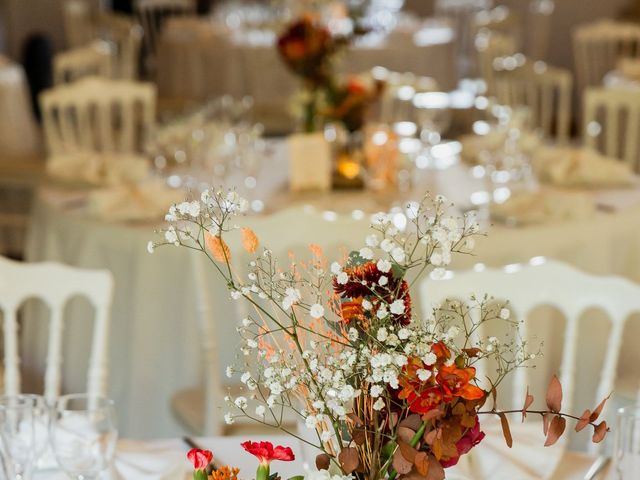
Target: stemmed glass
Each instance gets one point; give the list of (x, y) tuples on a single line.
[(626, 450), (83, 435), (23, 434)]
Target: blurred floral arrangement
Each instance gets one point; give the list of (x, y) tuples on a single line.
[(308, 49), (387, 394)]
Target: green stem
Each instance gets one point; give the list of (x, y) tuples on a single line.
[(263, 472)]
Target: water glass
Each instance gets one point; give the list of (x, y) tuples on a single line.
[(626, 450), (20, 449), (83, 435)]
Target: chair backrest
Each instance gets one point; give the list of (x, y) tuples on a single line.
[(538, 31), (125, 38), (55, 284), (541, 282), (152, 14), (545, 90), (611, 123), (90, 60), (598, 46), (98, 115), (490, 47), (79, 28)]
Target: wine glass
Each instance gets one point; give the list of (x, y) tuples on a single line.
[(83, 435), (21, 420), (626, 450)]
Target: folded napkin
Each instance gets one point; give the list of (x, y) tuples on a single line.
[(580, 167), (127, 203), (544, 206), (475, 146), (98, 168), (146, 461)]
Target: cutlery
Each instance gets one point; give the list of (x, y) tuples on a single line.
[(597, 467)]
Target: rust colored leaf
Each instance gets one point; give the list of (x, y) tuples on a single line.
[(249, 240), (431, 436), (349, 459), (405, 434), (506, 431), (436, 448), (436, 472), (355, 419), (413, 421), (422, 463), (323, 461), (494, 396), (546, 420), (430, 415), (401, 464), (584, 420), (218, 249), (472, 352), (359, 436), (407, 451), (528, 400), (596, 413), (554, 395), (556, 429), (600, 431)]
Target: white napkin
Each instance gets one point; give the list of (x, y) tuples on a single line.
[(98, 168), (580, 167), (544, 206), (146, 461), (147, 201)]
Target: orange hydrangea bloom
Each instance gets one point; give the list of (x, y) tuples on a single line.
[(218, 249)]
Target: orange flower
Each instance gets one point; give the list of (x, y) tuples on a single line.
[(249, 240), (441, 351), (225, 473), (352, 311), (218, 249), (456, 382)]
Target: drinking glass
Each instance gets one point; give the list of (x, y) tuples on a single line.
[(626, 450), (83, 435), (18, 444)]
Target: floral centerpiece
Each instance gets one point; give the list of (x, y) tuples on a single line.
[(388, 394)]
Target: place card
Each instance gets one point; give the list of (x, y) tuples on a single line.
[(309, 162)]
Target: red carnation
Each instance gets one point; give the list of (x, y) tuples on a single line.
[(200, 458), (266, 452)]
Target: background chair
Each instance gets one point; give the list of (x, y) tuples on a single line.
[(78, 23), (611, 123), (125, 39), (598, 46), (545, 90), (490, 47), (91, 60), (54, 284), (98, 115), (538, 31), (152, 15), (561, 286)]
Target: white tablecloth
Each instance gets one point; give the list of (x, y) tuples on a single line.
[(196, 60), (154, 342)]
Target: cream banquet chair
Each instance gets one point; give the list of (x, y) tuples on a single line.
[(79, 27), (54, 284), (98, 115), (611, 123), (545, 90), (90, 60), (541, 282), (538, 31), (598, 46), (491, 47), (125, 39), (152, 14)]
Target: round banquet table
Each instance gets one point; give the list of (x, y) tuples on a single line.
[(198, 59), (154, 333)]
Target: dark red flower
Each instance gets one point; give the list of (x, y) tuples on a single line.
[(200, 458), (364, 282), (266, 452)]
